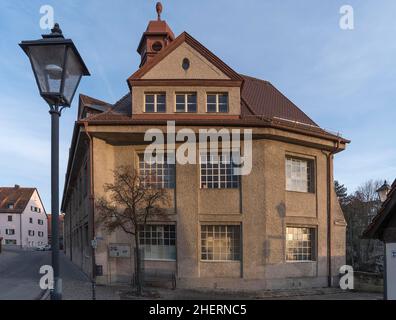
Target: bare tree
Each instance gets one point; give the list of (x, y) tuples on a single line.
[(131, 202), (360, 209)]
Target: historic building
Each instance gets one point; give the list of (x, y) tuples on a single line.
[(23, 220), (281, 226)]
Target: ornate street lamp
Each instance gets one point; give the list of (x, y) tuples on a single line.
[(58, 69)]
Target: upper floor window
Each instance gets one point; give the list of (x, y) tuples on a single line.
[(10, 206), (155, 103), (31, 233), (217, 172), (40, 222), (299, 175), (30, 220), (157, 174), (186, 102), (217, 103), (300, 244), (9, 218)]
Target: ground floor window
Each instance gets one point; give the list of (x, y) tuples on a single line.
[(300, 244), (158, 241), (220, 243), (10, 242)]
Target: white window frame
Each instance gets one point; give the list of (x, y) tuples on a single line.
[(218, 94), (169, 247), (186, 104), (171, 182), (236, 256), (219, 175), (299, 181), (155, 94), (310, 249)]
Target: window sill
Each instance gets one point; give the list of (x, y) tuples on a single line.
[(300, 192), (221, 261), (300, 262), (160, 260)]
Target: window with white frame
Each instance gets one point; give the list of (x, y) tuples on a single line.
[(299, 175), (10, 232), (40, 222), (186, 102), (217, 102), (157, 174), (221, 242), (10, 206), (218, 172), (155, 103), (31, 233), (41, 234), (300, 244), (158, 241)]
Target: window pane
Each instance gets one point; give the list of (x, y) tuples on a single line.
[(157, 243), (220, 243), (298, 175), (150, 107), (159, 175), (161, 98), (149, 98), (300, 244), (180, 103)]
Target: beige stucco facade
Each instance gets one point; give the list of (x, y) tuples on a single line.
[(261, 206)]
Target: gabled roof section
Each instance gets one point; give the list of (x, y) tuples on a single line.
[(186, 38), (16, 196), (92, 103), (262, 99)]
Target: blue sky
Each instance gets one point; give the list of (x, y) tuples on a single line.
[(344, 80)]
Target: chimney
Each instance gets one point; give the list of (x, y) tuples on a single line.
[(157, 36), (17, 186)]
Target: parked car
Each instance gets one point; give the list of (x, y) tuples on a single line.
[(44, 248)]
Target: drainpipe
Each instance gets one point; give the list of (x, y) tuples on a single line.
[(329, 156), (92, 204)]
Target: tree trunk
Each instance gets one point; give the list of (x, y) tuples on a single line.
[(138, 270)]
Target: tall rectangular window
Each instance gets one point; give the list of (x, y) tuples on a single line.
[(159, 175), (155, 103), (300, 244), (158, 241), (9, 218), (220, 243), (217, 103), (186, 102), (299, 175), (217, 172)]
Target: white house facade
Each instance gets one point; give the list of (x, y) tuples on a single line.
[(23, 219)]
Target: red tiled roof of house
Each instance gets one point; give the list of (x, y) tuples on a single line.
[(16, 196)]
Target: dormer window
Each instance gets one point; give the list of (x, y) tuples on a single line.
[(217, 103), (155, 103), (186, 102), (10, 206)]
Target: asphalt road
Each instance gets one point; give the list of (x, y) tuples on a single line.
[(19, 273)]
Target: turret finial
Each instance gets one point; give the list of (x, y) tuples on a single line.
[(158, 7)]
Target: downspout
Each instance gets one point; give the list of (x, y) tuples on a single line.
[(92, 205), (329, 156)]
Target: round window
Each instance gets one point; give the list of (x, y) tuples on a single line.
[(157, 46)]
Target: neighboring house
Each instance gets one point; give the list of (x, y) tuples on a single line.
[(23, 220), (61, 229), (383, 228), (279, 227)]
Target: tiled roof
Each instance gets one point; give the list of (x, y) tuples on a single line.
[(18, 197), (267, 101)]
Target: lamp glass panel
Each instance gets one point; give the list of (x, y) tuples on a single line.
[(47, 63)]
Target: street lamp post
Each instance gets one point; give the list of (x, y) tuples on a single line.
[(58, 69)]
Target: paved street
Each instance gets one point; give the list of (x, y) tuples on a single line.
[(19, 274)]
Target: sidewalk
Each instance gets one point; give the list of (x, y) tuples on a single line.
[(77, 286)]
